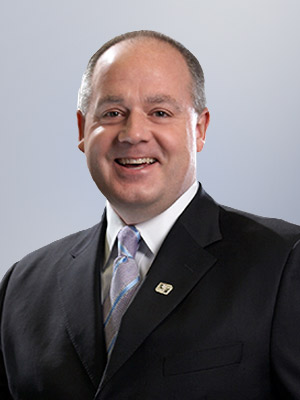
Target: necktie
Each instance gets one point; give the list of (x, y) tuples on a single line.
[(124, 283)]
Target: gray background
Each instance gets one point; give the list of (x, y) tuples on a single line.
[(249, 51)]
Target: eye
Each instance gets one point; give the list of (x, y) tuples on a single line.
[(112, 114), (161, 114)]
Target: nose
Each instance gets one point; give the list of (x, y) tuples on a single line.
[(135, 129)]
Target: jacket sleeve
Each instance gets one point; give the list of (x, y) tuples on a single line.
[(285, 340), (4, 389)]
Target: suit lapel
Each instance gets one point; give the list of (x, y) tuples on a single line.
[(79, 283), (182, 261)]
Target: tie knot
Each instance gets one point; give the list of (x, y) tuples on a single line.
[(128, 241)]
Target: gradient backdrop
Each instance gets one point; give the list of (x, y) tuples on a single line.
[(249, 51)]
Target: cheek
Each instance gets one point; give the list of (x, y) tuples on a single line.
[(186, 152), (172, 141), (186, 145), (97, 145)]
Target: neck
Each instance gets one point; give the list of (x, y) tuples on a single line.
[(134, 214)]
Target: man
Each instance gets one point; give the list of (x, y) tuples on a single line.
[(201, 302)]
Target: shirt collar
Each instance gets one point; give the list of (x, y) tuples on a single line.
[(152, 236)]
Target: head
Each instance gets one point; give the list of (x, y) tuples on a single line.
[(142, 118)]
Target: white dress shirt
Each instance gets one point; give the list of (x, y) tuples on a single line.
[(153, 233)]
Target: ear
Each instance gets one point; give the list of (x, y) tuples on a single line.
[(202, 125), (80, 123)]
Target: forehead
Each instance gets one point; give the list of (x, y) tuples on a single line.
[(141, 60)]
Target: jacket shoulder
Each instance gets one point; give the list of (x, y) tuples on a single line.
[(244, 222), (52, 253)]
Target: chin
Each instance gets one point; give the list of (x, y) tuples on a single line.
[(135, 201)]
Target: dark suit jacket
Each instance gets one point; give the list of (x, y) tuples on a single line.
[(230, 328)]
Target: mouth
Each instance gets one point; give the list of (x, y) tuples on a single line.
[(135, 163)]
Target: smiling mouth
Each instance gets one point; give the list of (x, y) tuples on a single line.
[(136, 163)]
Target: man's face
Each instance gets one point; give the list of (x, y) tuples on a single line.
[(141, 132)]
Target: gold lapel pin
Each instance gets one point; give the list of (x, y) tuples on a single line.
[(164, 288)]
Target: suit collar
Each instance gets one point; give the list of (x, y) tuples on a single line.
[(201, 219)]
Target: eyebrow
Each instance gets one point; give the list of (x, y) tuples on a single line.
[(109, 99), (163, 98), (153, 99)]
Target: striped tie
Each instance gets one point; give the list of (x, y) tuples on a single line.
[(124, 283)]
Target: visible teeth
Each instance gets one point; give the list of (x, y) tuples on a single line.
[(145, 160)]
